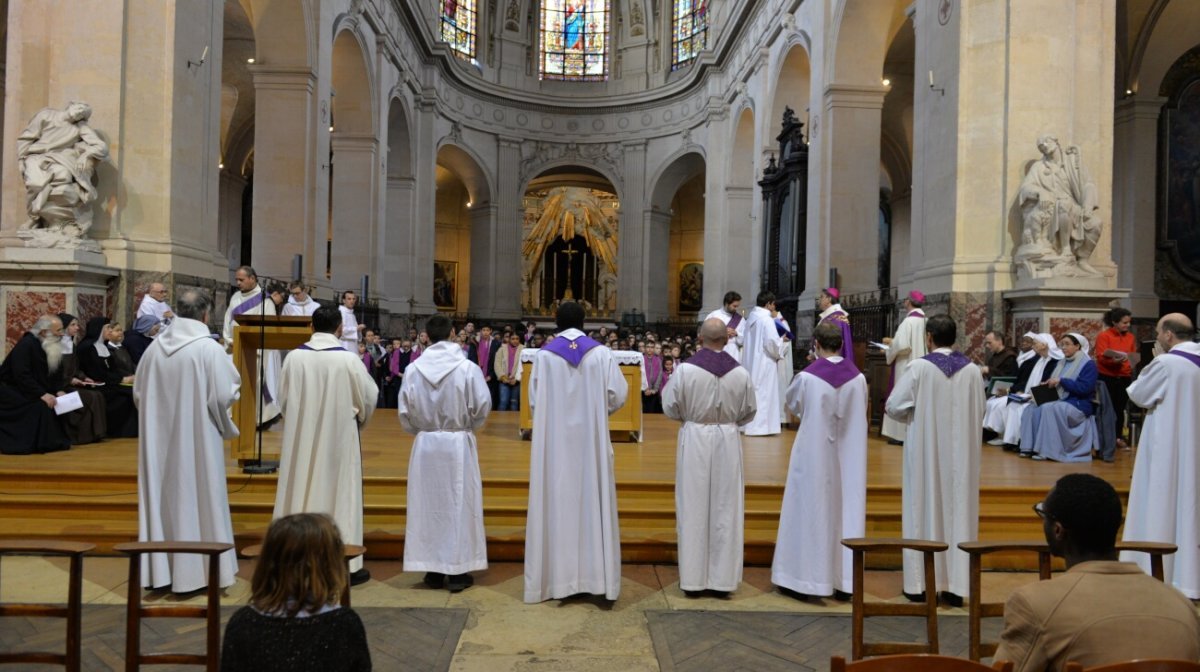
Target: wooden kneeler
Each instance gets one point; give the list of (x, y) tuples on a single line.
[(863, 610), (211, 612), (73, 612), (352, 552)]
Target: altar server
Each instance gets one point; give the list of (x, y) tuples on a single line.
[(712, 396), (825, 498), (735, 326), (941, 396), (184, 388), (906, 346), (351, 329), (763, 348), (1164, 498), (443, 400), (572, 539), (299, 302), (325, 396)]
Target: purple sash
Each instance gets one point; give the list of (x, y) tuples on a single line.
[(572, 351), (249, 304), (329, 349), (734, 321), (1195, 359), (834, 373), (714, 362), (915, 313), (652, 372), (948, 364), (783, 330)]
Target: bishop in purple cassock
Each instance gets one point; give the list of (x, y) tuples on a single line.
[(833, 313)]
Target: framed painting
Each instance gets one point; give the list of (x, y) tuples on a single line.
[(445, 285), (691, 286)]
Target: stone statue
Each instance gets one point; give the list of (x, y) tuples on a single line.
[(1059, 222), (56, 156)]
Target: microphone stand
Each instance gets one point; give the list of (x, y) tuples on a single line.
[(261, 466)]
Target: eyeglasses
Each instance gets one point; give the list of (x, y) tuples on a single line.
[(1040, 510)]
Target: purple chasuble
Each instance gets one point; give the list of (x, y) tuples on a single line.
[(1186, 355), (714, 362), (572, 351), (842, 321), (734, 321), (249, 304), (834, 373), (948, 364)]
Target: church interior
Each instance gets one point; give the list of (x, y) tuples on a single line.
[(1025, 166)]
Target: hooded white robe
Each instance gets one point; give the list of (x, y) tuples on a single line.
[(910, 335), (184, 388), (270, 358), (763, 348), (1164, 498), (301, 308), (572, 538), (734, 345), (325, 395), (709, 492), (825, 499), (940, 496), (443, 400)]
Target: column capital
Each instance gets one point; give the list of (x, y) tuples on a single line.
[(354, 142), (860, 96), (1138, 107), (283, 78)]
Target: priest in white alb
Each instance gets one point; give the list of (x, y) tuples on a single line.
[(941, 396), (825, 499), (572, 539), (906, 346), (154, 304), (786, 363), (712, 396), (1164, 498), (735, 326), (325, 396), (184, 388), (250, 299), (762, 349), (443, 400), (351, 329)]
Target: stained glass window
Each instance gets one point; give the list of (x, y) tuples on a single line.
[(689, 30), (458, 26), (574, 40)]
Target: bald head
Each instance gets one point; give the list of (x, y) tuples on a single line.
[(1173, 329), (713, 334)]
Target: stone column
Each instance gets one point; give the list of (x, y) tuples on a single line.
[(355, 162), (633, 251), (395, 256), (485, 270), (1135, 189), (508, 220), (290, 179), (656, 226)]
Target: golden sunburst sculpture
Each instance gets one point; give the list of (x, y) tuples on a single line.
[(567, 213)]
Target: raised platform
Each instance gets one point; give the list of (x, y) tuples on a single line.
[(90, 492)]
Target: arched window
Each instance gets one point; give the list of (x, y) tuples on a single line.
[(689, 30), (458, 26), (574, 40)]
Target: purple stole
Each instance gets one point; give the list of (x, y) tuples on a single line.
[(1186, 355), (481, 353), (336, 347), (948, 364), (836, 374), (735, 321), (394, 363), (842, 320), (366, 360), (512, 359), (572, 351), (653, 372), (249, 304), (714, 362)]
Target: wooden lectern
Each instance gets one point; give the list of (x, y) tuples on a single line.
[(269, 332)]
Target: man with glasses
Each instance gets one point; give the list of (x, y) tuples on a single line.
[(1100, 611), (299, 303), (154, 304)]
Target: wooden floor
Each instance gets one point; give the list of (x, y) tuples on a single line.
[(89, 492)]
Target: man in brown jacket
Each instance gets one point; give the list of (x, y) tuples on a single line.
[(1100, 611)]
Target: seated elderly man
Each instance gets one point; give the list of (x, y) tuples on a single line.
[(1100, 611), (30, 385), (1063, 430)]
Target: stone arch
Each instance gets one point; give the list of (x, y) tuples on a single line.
[(791, 87), (862, 31), (679, 168), (604, 171), (677, 209), (284, 30), (399, 139), (1161, 43), (353, 102), (469, 168)]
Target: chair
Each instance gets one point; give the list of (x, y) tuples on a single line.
[(921, 662), (1155, 549), (73, 612), (352, 552), (211, 612), (977, 609), (863, 610), (1140, 666)]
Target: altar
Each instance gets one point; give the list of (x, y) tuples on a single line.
[(625, 425)]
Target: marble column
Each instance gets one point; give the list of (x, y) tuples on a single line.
[(355, 162), (1135, 191)]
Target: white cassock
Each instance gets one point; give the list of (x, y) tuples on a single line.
[(325, 395), (910, 335), (762, 349), (349, 330), (1164, 498), (153, 307), (787, 370), (940, 496), (302, 308), (184, 388), (825, 499), (734, 345), (257, 303), (443, 404), (572, 539), (712, 396)]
